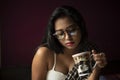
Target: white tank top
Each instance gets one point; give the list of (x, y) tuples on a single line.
[(55, 75)]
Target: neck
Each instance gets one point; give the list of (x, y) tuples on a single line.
[(70, 51)]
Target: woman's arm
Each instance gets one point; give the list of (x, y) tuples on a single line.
[(100, 63), (95, 74), (40, 64)]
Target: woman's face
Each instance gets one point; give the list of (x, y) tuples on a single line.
[(67, 32)]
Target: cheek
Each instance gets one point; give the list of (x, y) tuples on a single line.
[(78, 40), (78, 37)]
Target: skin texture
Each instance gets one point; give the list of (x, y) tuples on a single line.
[(62, 24), (44, 58)]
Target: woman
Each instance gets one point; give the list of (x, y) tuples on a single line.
[(66, 35)]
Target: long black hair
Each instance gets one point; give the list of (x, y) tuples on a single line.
[(52, 42)]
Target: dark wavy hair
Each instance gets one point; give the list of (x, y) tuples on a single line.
[(49, 40)]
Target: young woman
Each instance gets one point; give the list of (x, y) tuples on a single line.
[(66, 35)]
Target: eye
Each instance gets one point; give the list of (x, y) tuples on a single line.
[(72, 30), (59, 33)]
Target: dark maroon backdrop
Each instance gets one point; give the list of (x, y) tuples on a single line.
[(24, 21)]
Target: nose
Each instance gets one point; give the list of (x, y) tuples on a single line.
[(67, 36)]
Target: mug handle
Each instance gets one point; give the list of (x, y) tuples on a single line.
[(91, 57)]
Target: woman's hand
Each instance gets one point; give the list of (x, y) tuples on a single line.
[(100, 59), (101, 62)]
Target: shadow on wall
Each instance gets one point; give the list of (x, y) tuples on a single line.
[(111, 72), (16, 73)]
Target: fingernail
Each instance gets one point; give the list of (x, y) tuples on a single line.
[(92, 50)]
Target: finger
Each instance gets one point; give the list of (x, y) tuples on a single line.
[(101, 64), (96, 57), (99, 58), (93, 52), (102, 54)]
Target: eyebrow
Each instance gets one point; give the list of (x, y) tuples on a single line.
[(67, 27)]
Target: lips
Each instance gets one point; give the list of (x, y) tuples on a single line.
[(70, 43)]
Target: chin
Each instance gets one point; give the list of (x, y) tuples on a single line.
[(71, 47)]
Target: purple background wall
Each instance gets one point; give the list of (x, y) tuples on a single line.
[(24, 21)]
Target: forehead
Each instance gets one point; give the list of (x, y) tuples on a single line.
[(63, 23)]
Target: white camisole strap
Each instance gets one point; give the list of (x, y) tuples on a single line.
[(54, 62), (53, 74)]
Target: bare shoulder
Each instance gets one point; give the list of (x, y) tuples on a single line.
[(42, 54), (40, 63)]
